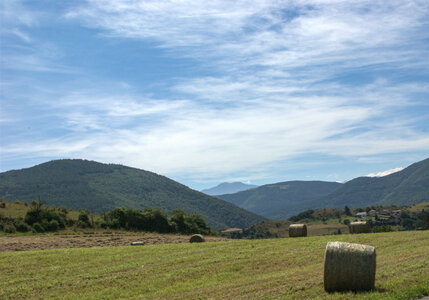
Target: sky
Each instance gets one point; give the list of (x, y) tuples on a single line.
[(217, 91)]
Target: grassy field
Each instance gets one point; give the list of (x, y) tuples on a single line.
[(290, 268), (19, 209)]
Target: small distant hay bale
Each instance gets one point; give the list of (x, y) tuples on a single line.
[(196, 238), (359, 227), (297, 230), (349, 267), (137, 243)]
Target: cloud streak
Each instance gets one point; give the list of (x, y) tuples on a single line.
[(277, 80)]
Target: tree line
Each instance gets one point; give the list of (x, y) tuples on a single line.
[(40, 218)]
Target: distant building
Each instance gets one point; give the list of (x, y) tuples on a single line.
[(372, 213), (385, 212), (361, 214), (396, 212)]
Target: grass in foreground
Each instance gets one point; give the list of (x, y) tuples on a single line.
[(269, 269)]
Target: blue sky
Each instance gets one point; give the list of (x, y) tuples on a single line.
[(211, 91)]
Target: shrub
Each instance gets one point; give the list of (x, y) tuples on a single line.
[(82, 224), (53, 225), (103, 225), (347, 211), (308, 214), (37, 227), (21, 226), (63, 210), (83, 219), (9, 228)]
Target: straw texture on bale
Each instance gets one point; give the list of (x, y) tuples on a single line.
[(196, 238), (359, 227), (349, 267), (296, 230)]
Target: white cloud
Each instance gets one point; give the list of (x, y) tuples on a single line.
[(201, 140), (275, 90), (385, 173), (290, 34)]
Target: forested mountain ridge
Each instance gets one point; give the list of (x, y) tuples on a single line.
[(80, 184), (281, 200), (406, 187), (284, 199)]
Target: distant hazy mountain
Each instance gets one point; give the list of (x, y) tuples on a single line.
[(281, 200), (406, 187), (100, 187), (228, 188)]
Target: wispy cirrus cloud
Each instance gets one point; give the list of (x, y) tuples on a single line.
[(21, 51), (271, 81), (283, 34)]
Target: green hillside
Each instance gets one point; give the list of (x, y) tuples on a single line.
[(406, 187), (281, 200), (289, 268), (79, 184)]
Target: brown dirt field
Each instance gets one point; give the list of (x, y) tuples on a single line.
[(22, 243)]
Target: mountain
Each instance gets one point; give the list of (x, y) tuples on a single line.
[(80, 184), (228, 188), (406, 187), (281, 200)]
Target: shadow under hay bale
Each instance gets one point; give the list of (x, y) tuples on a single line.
[(349, 267), (359, 227), (196, 238), (297, 230)]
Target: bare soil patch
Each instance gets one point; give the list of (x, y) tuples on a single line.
[(22, 243)]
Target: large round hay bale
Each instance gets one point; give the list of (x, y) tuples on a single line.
[(359, 227), (196, 238), (296, 230), (349, 267)]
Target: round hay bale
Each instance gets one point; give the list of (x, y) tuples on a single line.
[(359, 227), (137, 243), (296, 230), (196, 238), (349, 267)]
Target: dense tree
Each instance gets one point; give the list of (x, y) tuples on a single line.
[(347, 211), (48, 217)]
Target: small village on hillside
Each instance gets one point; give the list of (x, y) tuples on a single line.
[(335, 221)]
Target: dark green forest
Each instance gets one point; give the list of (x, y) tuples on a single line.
[(82, 184)]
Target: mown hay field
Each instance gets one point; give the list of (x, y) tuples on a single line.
[(240, 269)]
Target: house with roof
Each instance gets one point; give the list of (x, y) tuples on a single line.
[(361, 214)]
